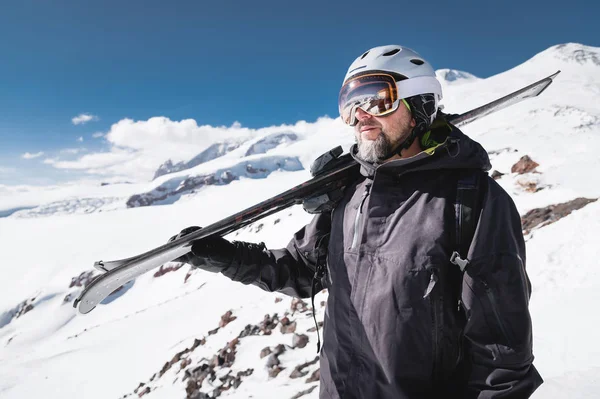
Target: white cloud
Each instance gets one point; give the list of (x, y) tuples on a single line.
[(95, 162), (83, 119), (72, 150), (50, 161), (80, 139), (98, 135), (28, 155), (137, 148)]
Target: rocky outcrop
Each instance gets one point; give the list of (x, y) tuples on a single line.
[(173, 189), (496, 175), (209, 375), (544, 216), (214, 151), (305, 392), (268, 143), (16, 312), (525, 165)]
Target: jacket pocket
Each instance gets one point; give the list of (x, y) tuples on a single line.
[(490, 300)]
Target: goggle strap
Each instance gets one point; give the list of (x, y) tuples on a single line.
[(407, 105)]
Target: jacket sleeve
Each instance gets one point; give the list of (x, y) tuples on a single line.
[(288, 270), (495, 296)]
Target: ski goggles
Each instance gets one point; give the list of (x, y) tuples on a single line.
[(375, 94), (379, 94)]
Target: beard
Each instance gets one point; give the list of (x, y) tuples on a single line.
[(374, 150), (381, 148)]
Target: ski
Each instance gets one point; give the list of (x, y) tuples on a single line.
[(346, 169)]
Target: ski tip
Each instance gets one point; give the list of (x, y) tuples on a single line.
[(80, 308), (554, 75), (99, 265)]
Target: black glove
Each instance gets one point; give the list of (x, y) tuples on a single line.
[(212, 253), (325, 202)]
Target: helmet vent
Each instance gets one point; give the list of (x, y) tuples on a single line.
[(417, 61), (389, 53), (364, 55)]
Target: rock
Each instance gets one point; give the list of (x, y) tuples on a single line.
[(298, 305), (299, 370), (267, 143), (279, 349), (83, 279), (289, 329), (249, 330), (287, 326), (501, 150), (525, 165), (277, 300), (273, 360), (298, 373), (550, 214), (227, 318), (139, 386), (314, 377), (265, 352), (213, 332), (529, 186), (305, 392), (171, 268), (269, 323), (299, 340), (185, 363), (274, 372), (253, 170), (496, 175), (24, 307), (188, 275), (226, 356)]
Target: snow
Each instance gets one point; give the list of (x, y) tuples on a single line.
[(51, 351)]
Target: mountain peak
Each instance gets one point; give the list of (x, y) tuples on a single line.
[(576, 52), (453, 75)]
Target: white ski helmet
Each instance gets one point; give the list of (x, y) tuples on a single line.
[(417, 76)]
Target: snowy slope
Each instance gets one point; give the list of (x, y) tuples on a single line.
[(147, 333)]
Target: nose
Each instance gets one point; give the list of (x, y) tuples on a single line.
[(360, 115)]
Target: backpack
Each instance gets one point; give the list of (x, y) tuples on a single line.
[(467, 207)]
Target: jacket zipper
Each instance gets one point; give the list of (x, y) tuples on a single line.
[(494, 303), (358, 216), (436, 306)]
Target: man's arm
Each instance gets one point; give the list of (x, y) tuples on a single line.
[(288, 270), (495, 295)]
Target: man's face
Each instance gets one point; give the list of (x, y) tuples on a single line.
[(378, 135)]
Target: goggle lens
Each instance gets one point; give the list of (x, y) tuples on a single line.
[(375, 94)]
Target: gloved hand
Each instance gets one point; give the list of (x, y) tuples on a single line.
[(325, 202), (213, 253)]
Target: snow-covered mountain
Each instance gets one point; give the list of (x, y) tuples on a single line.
[(454, 76), (177, 332)]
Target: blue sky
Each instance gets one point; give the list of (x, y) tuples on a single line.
[(260, 63)]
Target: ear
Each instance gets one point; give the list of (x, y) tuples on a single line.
[(413, 123)]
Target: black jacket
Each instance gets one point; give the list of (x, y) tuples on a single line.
[(387, 243)]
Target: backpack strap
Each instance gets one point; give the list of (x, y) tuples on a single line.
[(467, 208)]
